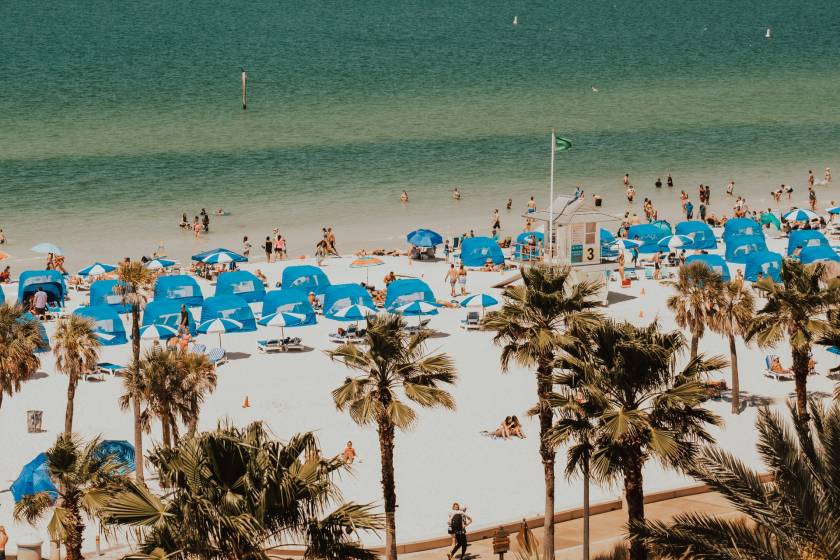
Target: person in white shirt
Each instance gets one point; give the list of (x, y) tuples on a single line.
[(39, 302)]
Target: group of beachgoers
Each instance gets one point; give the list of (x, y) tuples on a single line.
[(201, 223)]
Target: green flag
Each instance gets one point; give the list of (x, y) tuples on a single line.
[(562, 144)]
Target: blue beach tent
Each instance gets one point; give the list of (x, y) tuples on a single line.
[(805, 238), (715, 262), (820, 253), (741, 226), (521, 249), (240, 283), (402, 292), (476, 250), (51, 281), (34, 477), (167, 312), (768, 263), (181, 288), (305, 277), (2, 296), (649, 235), (700, 232), (739, 246), (106, 321), (288, 300), (229, 307), (340, 296), (102, 292)]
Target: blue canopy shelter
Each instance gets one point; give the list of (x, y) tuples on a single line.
[(289, 300), (181, 288), (120, 453), (402, 292), (700, 232), (34, 477), (340, 296), (818, 254), (51, 281), (523, 248), (240, 283), (715, 262), (107, 322), (305, 277), (476, 250), (805, 238), (103, 292), (741, 226), (768, 263), (739, 246), (649, 235), (229, 307), (167, 312)]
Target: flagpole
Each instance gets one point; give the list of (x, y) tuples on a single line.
[(550, 228)]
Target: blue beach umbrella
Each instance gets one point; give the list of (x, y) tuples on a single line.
[(47, 248), (96, 269), (628, 244), (834, 350), (607, 236), (283, 320), (833, 210), (120, 453), (424, 238), (215, 256), (479, 300), (157, 264), (353, 313), (157, 331), (219, 326), (675, 241), (34, 477), (417, 307), (799, 215)]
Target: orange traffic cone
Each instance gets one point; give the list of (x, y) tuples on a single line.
[(246, 404)]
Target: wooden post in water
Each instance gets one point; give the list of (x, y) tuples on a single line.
[(244, 89)]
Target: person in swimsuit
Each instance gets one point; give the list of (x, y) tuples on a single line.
[(268, 248), (669, 181), (452, 277), (349, 454), (404, 196), (509, 204), (462, 279), (657, 265), (496, 223), (532, 206), (456, 194)]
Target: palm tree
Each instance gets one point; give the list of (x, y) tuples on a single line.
[(157, 382), (235, 492), (645, 407), (84, 479), (198, 379), (796, 516), (795, 311), (76, 352), (19, 338), (536, 318), (134, 278), (697, 297), (732, 319), (394, 362)]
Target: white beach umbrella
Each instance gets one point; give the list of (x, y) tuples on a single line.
[(219, 326), (799, 215), (353, 313), (156, 332), (675, 241)]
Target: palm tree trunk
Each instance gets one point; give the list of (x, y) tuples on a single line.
[(634, 495), (1, 399), (135, 399), (586, 509), (800, 374), (736, 383), (192, 426), (165, 425), (71, 395), (75, 531), (547, 454), (389, 492), (695, 343), (173, 429)]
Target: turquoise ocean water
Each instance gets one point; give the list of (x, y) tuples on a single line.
[(115, 117)]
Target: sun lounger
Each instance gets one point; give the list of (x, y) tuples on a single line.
[(768, 372), (217, 356), (198, 349), (350, 335), (630, 273), (414, 328), (109, 368), (270, 345), (472, 322)]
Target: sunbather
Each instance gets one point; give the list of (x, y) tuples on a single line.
[(776, 367)]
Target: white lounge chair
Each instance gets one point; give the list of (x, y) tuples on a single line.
[(270, 345), (768, 372), (217, 356)]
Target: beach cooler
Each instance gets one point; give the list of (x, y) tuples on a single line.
[(625, 283)]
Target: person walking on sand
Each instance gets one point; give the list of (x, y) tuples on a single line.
[(509, 205), (246, 247), (349, 454), (268, 246), (462, 279), (452, 277), (811, 178), (730, 188), (496, 223), (458, 523), (631, 193), (621, 260)]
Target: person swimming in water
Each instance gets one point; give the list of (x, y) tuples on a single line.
[(456, 194)]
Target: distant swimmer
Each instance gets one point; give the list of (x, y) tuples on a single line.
[(404, 196), (244, 77), (768, 34), (456, 194), (594, 89)]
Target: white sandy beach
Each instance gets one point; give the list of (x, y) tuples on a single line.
[(444, 459)]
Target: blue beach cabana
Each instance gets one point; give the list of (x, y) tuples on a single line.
[(51, 281), (106, 321), (649, 235), (288, 300), (700, 233), (476, 250), (305, 277), (339, 296), (402, 292), (229, 307), (167, 312), (768, 263), (805, 238), (240, 283), (739, 246), (523, 248), (181, 288), (819, 253), (103, 292), (715, 262), (741, 226)]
